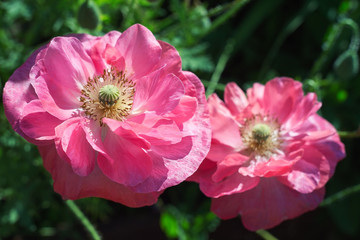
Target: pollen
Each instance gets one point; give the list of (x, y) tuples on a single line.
[(261, 136), (109, 95)]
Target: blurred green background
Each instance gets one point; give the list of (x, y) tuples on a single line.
[(313, 41)]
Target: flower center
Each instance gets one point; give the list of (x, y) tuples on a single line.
[(261, 136), (261, 132), (109, 95)]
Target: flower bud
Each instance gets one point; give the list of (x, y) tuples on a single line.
[(88, 15), (346, 65)]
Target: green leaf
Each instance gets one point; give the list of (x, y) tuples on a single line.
[(169, 225)]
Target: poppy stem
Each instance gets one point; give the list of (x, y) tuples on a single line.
[(220, 66), (345, 134), (265, 235), (340, 195), (83, 219)]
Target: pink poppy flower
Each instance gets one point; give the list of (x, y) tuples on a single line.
[(271, 154), (113, 116)]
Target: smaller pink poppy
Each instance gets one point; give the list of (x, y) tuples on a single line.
[(113, 116), (271, 154)]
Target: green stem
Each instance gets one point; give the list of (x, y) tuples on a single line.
[(291, 27), (83, 219), (237, 5), (265, 235), (220, 66), (219, 86), (340, 195), (332, 39), (345, 134), (355, 40)]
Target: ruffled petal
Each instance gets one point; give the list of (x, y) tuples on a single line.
[(255, 97), (228, 166), (72, 186), (267, 168), (184, 110), (281, 96), (331, 147), (18, 92), (170, 59), (157, 94), (266, 205), (174, 151), (182, 159), (155, 129), (72, 146), (140, 50), (234, 183), (59, 85), (224, 127), (219, 151), (38, 124), (128, 163), (302, 111), (235, 99)]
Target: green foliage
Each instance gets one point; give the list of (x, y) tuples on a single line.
[(178, 224), (315, 41)]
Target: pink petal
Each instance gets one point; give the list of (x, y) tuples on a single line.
[(234, 183), (184, 110), (255, 94), (96, 184), (228, 166), (37, 124), (219, 151), (330, 146), (18, 92), (59, 85), (169, 167), (127, 163), (155, 94), (224, 127), (311, 172), (270, 204), (140, 49), (333, 151), (190, 152), (267, 168), (174, 151), (235, 99), (72, 145), (281, 96), (102, 50), (302, 111), (111, 37), (113, 59), (170, 59), (48, 102), (155, 129)]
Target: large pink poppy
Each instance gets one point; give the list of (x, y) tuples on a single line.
[(271, 154), (113, 116)]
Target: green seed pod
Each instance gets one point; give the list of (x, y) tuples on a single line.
[(346, 65), (261, 132), (108, 95), (88, 15)]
